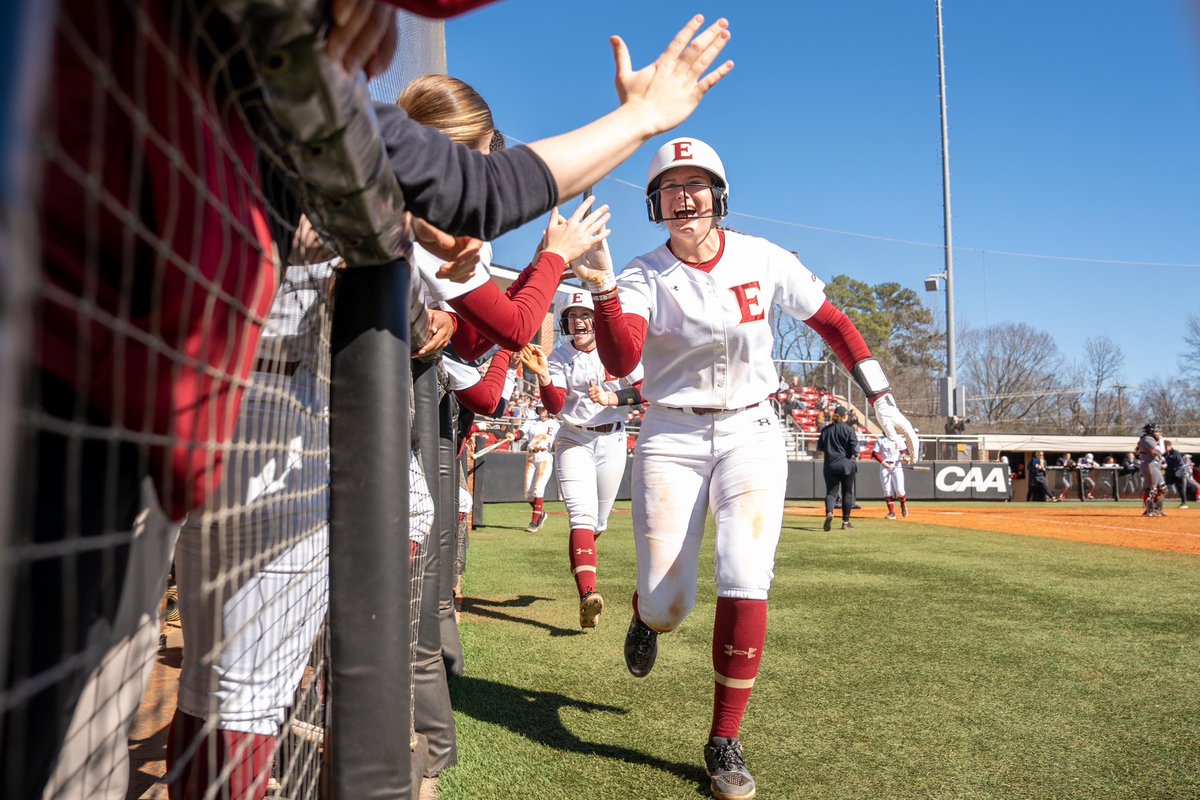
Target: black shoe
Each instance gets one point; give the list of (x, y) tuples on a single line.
[(846, 524), (641, 648), (828, 521), (728, 777), (537, 522)]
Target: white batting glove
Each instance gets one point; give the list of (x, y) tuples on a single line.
[(595, 268), (895, 425)]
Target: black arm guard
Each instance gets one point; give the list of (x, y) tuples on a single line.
[(628, 397)]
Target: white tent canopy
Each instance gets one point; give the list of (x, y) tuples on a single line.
[(994, 443)]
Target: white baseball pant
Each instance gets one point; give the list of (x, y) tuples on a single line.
[(537, 474), (732, 463), (892, 480), (252, 568), (590, 467)]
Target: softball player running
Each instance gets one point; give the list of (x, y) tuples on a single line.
[(891, 474), (590, 447), (539, 461), (695, 312)]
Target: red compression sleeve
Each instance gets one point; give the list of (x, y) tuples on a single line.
[(840, 333), (554, 398), (438, 9), (512, 322), (483, 397), (619, 337), (467, 340)]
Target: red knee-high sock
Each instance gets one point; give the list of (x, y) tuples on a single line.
[(891, 506), (584, 559), (250, 754), (635, 610), (739, 633), (183, 731), (538, 503)]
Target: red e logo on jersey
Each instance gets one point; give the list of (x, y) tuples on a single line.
[(747, 300), (683, 150)]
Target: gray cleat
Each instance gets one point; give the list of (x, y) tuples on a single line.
[(728, 778)]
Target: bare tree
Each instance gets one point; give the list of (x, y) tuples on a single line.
[(795, 341), (1174, 404), (1011, 372), (1103, 362), (1189, 360)]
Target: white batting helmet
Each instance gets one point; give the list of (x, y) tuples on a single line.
[(576, 299), (687, 152)]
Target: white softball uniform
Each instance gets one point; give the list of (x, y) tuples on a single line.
[(708, 346), (708, 340), (891, 469), (590, 446), (252, 566), (539, 436)]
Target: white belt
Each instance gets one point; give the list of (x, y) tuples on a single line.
[(702, 410)]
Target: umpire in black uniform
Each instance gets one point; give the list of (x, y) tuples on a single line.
[(839, 443)]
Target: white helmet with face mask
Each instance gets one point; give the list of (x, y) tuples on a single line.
[(576, 299), (686, 152)]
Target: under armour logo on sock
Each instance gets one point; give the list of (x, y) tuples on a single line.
[(579, 551), (748, 652)]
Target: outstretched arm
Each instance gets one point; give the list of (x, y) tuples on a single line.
[(485, 396), (653, 99), (464, 192), (511, 321), (840, 333)]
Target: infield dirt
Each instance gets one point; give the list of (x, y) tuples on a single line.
[(1119, 524)]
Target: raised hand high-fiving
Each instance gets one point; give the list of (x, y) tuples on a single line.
[(667, 91)]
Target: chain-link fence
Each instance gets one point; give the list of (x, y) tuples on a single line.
[(183, 394)]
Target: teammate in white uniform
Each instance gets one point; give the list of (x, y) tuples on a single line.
[(891, 474), (590, 447), (539, 461), (695, 312)]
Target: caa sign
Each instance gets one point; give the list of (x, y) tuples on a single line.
[(960, 480)]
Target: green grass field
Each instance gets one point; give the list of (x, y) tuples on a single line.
[(902, 661)]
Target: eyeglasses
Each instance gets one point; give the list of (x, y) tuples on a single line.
[(692, 189)]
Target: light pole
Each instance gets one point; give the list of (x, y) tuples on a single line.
[(950, 406)]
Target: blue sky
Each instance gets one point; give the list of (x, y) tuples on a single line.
[(1074, 133)]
